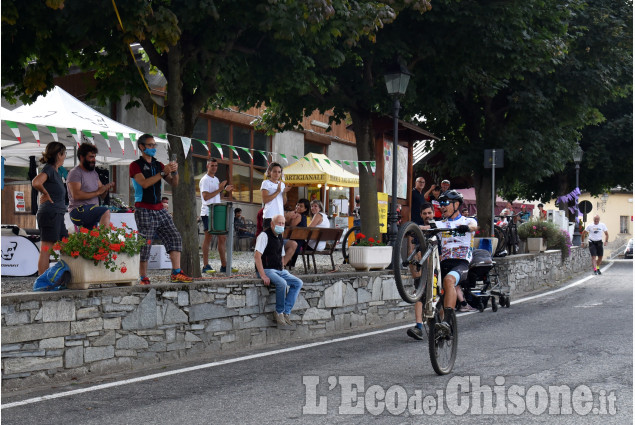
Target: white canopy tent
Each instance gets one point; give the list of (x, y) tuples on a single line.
[(60, 116)]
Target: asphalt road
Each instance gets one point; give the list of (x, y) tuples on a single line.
[(566, 357)]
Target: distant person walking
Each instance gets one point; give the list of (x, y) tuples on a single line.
[(598, 235), (418, 199)]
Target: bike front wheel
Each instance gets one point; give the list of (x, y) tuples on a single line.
[(346, 243), (410, 276), (443, 343)]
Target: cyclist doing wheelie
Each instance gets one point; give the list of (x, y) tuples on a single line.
[(456, 249)]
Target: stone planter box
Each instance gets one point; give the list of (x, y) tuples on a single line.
[(85, 273), (536, 245), (369, 257)]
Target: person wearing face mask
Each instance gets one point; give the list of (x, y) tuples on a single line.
[(151, 217), (85, 189), (269, 260)]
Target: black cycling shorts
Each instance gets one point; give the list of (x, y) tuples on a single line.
[(596, 248)]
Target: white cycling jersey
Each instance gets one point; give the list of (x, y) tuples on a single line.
[(456, 246)]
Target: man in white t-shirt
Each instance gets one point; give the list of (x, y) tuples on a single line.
[(456, 249), (211, 189), (598, 238)]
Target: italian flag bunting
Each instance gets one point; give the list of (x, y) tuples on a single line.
[(89, 135), (133, 139), (355, 164), (283, 156), (347, 163), (122, 142), (204, 143), (317, 161), (264, 156), (106, 138), (35, 132), (220, 149), (338, 162), (14, 127), (233, 149), (327, 161), (372, 167), (296, 158), (53, 131), (307, 159), (187, 145), (74, 134), (248, 153)]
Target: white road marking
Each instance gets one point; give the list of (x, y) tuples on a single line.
[(260, 355)]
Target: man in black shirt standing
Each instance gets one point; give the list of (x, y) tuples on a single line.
[(418, 199)]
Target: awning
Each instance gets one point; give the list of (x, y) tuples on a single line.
[(60, 116), (319, 169)]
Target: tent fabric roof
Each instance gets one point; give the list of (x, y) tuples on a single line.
[(319, 169), (61, 111)]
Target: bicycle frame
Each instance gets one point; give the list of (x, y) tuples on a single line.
[(431, 296)]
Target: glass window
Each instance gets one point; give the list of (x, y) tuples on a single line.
[(242, 139), (220, 134), (260, 143), (258, 178), (241, 183), (200, 132), (310, 147), (624, 224)]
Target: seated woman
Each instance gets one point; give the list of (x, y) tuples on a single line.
[(320, 219), (296, 218)]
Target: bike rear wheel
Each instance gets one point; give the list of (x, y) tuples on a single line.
[(346, 244), (410, 276), (442, 345), (499, 234)]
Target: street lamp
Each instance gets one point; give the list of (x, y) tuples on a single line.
[(397, 80), (577, 158)]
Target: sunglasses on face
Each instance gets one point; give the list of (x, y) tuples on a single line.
[(444, 203)]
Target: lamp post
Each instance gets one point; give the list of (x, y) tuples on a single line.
[(577, 158), (397, 80)]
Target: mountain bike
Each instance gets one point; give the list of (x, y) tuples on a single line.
[(507, 236), (417, 270)]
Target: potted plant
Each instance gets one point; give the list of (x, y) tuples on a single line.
[(369, 254), (100, 255), (535, 232)]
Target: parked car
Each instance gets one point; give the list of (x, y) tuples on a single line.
[(628, 252)]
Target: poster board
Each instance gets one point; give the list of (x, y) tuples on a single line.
[(402, 170)]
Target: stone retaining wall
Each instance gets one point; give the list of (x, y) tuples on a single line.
[(55, 337)]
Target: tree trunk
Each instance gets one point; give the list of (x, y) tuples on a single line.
[(365, 141), (483, 192), (179, 121)]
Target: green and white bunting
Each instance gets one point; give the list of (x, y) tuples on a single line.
[(220, 149), (122, 141), (246, 150), (75, 135), (53, 131), (89, 135), (104, 134), (14, 128), (35, 132), (187, 145)]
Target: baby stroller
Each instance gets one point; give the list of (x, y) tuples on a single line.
[(483, 284)]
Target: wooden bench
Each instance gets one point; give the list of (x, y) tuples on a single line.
[(316, 235)]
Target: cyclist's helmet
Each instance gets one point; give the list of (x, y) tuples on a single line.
[(451, 195)]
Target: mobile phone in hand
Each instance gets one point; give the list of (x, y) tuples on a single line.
[(173, 159)]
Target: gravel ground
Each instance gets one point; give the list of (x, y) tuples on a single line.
[(242, 260)]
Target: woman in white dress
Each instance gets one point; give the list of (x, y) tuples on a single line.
[(274, 193), (320, 219)]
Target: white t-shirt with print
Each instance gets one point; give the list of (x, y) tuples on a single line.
[(208, 184), (456, 246), (596, 231), (276, 205)]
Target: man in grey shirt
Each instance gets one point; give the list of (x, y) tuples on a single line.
[(85, 189)]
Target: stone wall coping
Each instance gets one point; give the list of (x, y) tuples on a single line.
[(308, 280)]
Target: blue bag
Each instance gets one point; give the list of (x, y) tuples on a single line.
[(54, 279)]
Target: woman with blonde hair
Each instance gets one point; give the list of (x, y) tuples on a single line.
[(50, 214), (274, 193), (320, 219)]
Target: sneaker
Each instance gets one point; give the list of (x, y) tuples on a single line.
[(208, 269), (279, 319), (287, 319), (466, 307), (599, 272), (180, 277), (415, 333), (443, 328), (145, 280), (595, 272), (223, 269)]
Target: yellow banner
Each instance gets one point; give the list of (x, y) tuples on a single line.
[(382, 208)]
